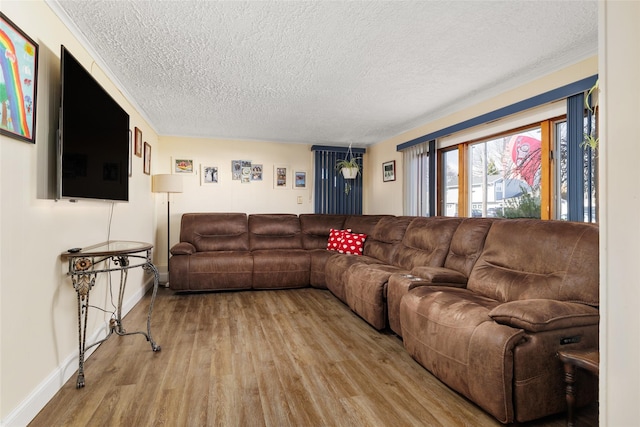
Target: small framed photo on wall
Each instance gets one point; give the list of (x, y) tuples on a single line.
[(182, 165), (147, 159), (280, 173), (256, 172), (209, 175), (300, 180), (138, 143), (389, 171)]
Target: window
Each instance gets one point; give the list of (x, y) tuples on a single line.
[(416, 180), (505, 178), (588, 175), (527, 159), (450, 182), (333, 194)]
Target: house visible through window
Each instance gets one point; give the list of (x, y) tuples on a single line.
[(505, 176), (500, 165)]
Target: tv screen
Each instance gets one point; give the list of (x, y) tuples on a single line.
[(93, 137)]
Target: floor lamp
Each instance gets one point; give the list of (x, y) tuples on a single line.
[(167, 183)]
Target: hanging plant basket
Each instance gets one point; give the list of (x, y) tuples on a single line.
[(349, 166), (350, 173)]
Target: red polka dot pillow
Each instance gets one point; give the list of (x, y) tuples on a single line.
[(335, 239), (352, 243)]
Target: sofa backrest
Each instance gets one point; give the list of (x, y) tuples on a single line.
[(467, 243), (215, 231), (426, 242), (530, 259), (315, 229), (274, 231), (385, 238), (363, 223)]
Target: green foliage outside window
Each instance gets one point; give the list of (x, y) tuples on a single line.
[(525, 206)]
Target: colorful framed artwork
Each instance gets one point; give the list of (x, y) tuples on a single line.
[(208, 175), (138, 143), (300, 180), (280, 177), (18, 82), (147, 159), (182, 165), (389, 171)]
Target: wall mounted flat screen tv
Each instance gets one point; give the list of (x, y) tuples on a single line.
[(93, 138)]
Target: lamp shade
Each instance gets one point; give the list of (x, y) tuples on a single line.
[(166, 183)]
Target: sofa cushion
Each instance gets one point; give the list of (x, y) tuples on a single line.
[(385, 238), (315, 228), (220, 270), (352, 243), (439, 275), (336, 267), (183, 248), (536, 315), (335, 239), (466, 244), (449, 332), (274, 231), (280, 268), (215, 231), (530, 259), (366, 291), (426, 242), (363, 223)]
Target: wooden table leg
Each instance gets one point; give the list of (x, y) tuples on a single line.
[(570, 379)]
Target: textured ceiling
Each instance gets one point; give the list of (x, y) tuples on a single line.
[(323, 72)]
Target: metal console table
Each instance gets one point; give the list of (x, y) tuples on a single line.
[(84, 267)]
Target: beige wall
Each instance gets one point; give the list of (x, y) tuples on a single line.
[(619, 206), (38, 315), (383, 197), (229, 195)]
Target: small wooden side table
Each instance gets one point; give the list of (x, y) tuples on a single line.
[(588, 360)]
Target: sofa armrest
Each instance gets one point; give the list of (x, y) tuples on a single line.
[(439, 275), (536, 315), (183, 248)]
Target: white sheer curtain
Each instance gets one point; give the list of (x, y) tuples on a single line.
[(416, 180)]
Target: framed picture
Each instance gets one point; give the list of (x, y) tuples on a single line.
[(208, 175), (147, 159), (280, 177), (182, 165), (138, 143), (19, 78), (256, 172), (389, 171), (300, 180), (241, 170)]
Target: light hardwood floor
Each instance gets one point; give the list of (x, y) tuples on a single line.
[(260, 358)]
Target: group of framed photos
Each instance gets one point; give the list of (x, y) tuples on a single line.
[(244, 171), (138, 150)]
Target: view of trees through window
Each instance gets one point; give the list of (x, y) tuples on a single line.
[(505, 176), (547, 169)]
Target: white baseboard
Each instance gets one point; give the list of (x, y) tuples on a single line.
[(164, 277), (40, 396)]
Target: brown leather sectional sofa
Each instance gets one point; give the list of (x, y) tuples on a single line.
[(483, 304)]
